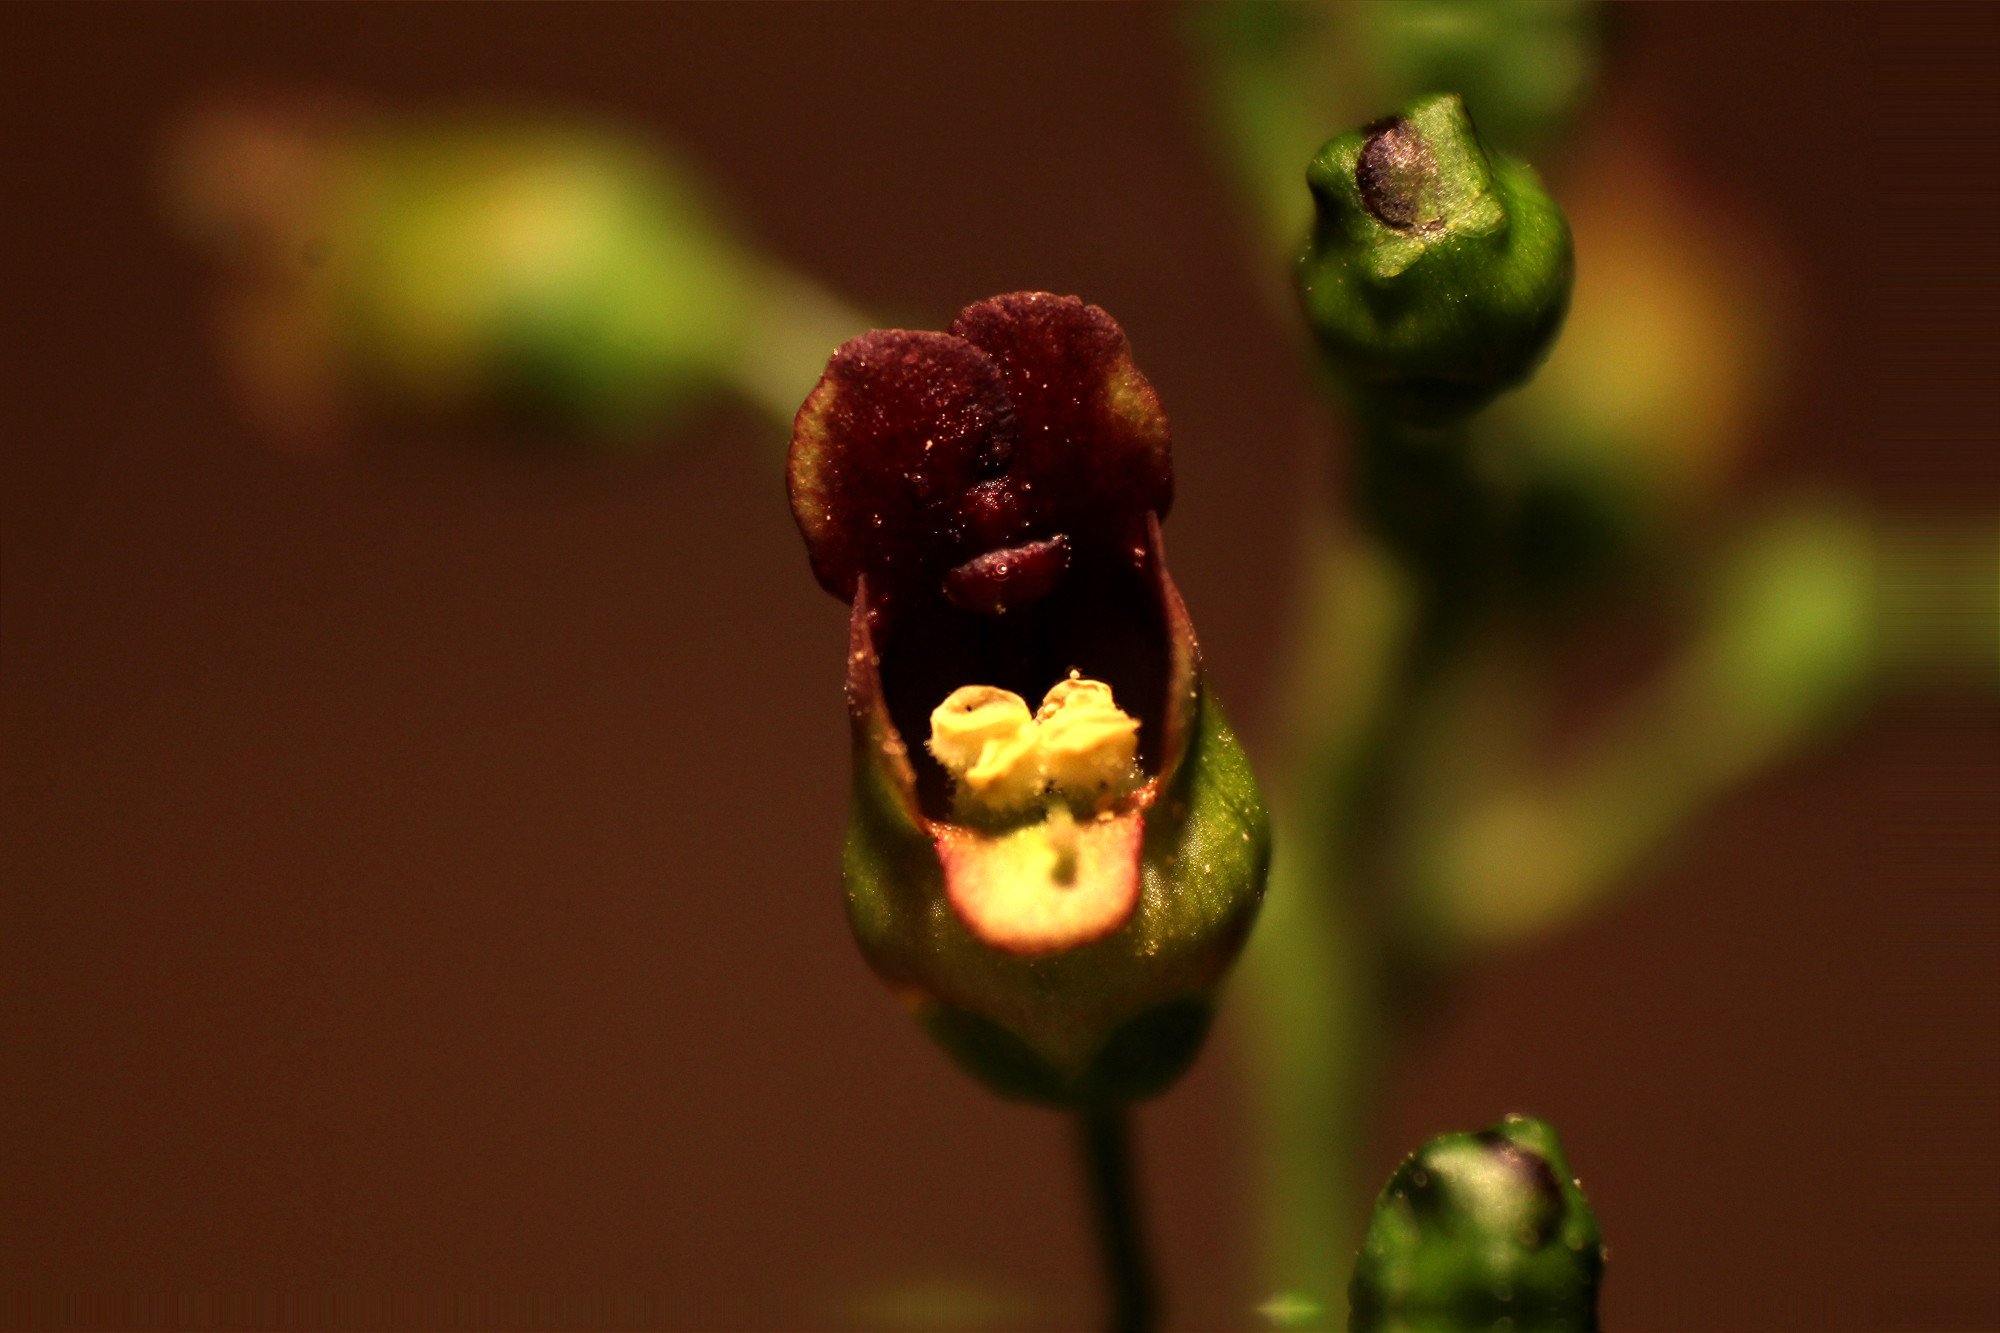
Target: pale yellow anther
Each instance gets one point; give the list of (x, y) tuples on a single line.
[(1003, 761), (1089, 744), (1008, 774), (1073, 693), (972, 717), (986, 739)]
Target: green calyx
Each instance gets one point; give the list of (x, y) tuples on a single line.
[(1109, 1021), (1476, 1228), (1437, 274)]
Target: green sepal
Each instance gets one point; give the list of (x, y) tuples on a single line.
[(1474, 1228), (1141, 1059), (1111, 1021), (1437, 274)]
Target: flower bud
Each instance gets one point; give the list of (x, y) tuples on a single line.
[(551, 271), (463, 266), (1437, 274), (1474, 1228), (1056, 894)]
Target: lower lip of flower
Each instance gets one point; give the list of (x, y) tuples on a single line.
[(1044, 887)]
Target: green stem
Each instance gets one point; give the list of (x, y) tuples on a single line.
[(1326, 968), (1313, 1039), (799, 324), (1791, 644), (1313, 971), (1104, 1136)]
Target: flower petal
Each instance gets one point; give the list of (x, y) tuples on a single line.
[(1045, 888), (892, 458), (1092, 450)]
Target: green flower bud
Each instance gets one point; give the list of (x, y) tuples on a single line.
[(559, 272), (1056, 894), (1437, 274), (1475, 1228), (464, 267), (1280, 72)]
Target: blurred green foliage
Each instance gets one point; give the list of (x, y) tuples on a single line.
[(560, 273)]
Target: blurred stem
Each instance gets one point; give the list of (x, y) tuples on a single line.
[(1313, 972), (1814, 610), (1795, 629), (1809, 613), (1314, 1043), (1104, 1135), (798, 324), (1941, 602)]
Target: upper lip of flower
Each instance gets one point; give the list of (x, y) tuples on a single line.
[(989, 499)]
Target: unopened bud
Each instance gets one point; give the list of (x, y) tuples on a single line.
[(1437, 274), (1477, 1228)]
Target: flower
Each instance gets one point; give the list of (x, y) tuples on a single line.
[(1057, 892)]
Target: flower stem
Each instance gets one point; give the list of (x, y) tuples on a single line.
[(1322, 975), (799, 324), (1104, 1135)]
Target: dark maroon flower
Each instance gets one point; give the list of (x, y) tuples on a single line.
[(987, 501)]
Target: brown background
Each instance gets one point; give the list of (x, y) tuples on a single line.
[(420, 870)]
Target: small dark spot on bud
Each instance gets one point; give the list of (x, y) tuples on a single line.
[(1535, 1172), (1395, 172)]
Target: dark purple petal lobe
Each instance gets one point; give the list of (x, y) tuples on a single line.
[(892, 458), (981, 463), (1091, 453)]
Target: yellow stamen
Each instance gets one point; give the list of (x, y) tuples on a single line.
[(1089, 744), (1080, 745), (986, 739)]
